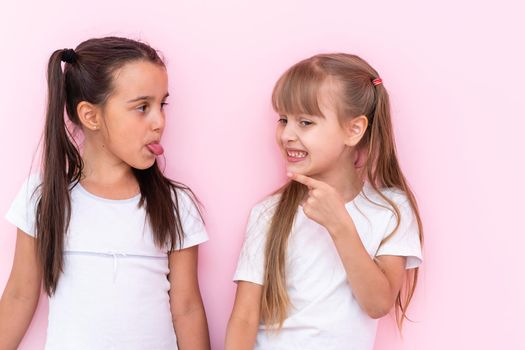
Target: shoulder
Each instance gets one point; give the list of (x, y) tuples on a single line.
[(394, 194), (266, 208), (33, 181), (186, 202), (31, 186), (22, 212), (379, 200), (183, 195), (261, 215)]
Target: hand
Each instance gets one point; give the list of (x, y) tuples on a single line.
[(323, 204)]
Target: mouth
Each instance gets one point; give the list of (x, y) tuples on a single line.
[(155, 148), (295, 155)]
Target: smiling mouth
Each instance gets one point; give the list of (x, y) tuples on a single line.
[(296, 155)]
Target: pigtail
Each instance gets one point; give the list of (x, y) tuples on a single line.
[(383, 170), (61, 166), (161, 198), (275, 300)]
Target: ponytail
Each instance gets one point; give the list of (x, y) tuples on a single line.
[(61, 166), (383, 170), (275, 301), (159, 195)]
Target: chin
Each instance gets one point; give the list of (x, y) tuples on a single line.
[(143, 165), (306, 171), (296, 170)]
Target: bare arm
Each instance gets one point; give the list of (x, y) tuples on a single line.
[(375, 283), (187, 309), (21, 294), (244, 320)]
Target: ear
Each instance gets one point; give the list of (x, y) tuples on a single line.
[(89, 115), (355, 129)]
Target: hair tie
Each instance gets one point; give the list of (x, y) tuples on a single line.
[(377, 81), (68, 56)]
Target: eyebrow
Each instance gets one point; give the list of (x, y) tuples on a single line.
[(302, 115), (146, 98)]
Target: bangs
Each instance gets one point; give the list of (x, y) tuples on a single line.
[(297, 91)]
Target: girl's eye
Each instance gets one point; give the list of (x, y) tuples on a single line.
[(163, 104), (282, 121), (305, 123), (142, 108)]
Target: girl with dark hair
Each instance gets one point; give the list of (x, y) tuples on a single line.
[(110, 238), (339, 245)]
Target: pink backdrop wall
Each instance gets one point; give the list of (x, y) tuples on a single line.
[(455, 74)]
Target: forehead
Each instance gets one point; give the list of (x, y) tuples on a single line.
[(300, 96), (140, 78)]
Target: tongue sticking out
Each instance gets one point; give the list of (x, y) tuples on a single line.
[(156, 148)]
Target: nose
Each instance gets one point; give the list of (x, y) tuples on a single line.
[(288, 133), (158, 121)]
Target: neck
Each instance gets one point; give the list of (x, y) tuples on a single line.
[(106, 175), (344, 179)]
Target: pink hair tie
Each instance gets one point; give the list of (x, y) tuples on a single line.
[(377, 81)]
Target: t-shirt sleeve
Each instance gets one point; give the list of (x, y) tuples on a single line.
[(191, 220), (250, 266), (22, 212), (405, 241)]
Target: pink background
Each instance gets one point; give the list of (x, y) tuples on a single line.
[(455, 74)]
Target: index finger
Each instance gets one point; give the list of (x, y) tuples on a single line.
[(305, 180)]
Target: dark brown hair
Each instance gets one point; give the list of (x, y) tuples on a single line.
[(88, 76), (297, 92)]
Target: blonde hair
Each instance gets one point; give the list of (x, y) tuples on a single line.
[(297, 92)]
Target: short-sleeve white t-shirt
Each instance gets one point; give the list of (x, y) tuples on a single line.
[(113, 292), (324, 313)]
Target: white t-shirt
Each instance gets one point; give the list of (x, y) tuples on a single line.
[(324, 312), (113, 293)]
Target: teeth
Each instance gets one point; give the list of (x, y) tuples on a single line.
[(297, 154)]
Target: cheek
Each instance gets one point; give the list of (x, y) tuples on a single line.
[(278, 133), (119, 135), (328, 144), (130, 125), (125, 135)]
